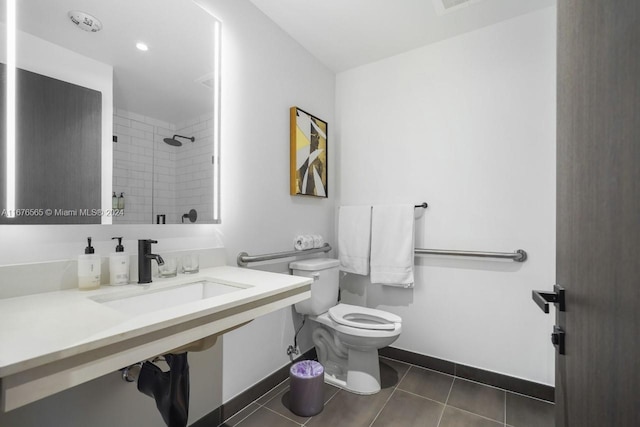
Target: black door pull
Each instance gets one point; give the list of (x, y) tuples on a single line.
[(543, 298)]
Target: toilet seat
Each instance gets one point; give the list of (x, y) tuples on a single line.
[(363, 317)]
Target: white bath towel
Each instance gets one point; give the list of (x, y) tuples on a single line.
[(354, 238), (392, 245)]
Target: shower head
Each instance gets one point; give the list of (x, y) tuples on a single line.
[(173, 141)]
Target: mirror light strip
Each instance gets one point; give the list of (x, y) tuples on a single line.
[(216, 120), (11, 109)]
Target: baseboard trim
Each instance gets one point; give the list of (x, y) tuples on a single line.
[(235, 405), (516, 385)]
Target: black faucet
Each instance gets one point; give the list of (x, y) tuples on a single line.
[(144, 260)]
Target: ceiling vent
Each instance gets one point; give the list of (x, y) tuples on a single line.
[(207, 80), (448, 6)]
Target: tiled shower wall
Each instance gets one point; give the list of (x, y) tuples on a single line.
[(157, 178), (194, 169), (133, 165)]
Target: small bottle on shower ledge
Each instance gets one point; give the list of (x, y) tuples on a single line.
[(121, 201)]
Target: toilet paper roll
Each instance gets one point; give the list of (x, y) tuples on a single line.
[(303, 242), (318, 241)]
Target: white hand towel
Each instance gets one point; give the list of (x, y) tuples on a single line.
[(392, 245), (354, 238)]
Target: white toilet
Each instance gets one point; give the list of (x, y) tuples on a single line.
[(346, 337)]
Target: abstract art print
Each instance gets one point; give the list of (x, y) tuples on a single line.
[(308, 154)]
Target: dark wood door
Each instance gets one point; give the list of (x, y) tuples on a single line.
[(598, 212)]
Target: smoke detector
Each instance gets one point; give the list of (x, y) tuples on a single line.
[(84, 21)]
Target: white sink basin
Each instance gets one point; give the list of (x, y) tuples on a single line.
[(147, 300)]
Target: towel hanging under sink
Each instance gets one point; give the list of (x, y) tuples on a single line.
[(169, 389)]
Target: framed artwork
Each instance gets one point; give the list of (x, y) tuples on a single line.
[(308, 154)]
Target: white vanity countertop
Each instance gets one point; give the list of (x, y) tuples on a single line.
[(44, 328)]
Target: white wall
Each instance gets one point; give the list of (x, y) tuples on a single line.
[(264, 73), (467, 125)]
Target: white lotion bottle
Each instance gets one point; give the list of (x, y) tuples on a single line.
[(89, 268), (119, 265)]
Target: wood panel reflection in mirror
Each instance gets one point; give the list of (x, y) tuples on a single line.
[(58, 135)]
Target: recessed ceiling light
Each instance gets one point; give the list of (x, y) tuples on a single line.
[(142, 46)]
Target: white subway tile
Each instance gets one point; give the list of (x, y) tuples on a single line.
[(117, 120), (159, 123), (142, 126), (135, 116)]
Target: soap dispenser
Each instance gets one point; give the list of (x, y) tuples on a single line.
[(119, 265), (114, 201), (89, 268)]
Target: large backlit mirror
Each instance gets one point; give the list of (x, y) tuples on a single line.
[(112, 97)]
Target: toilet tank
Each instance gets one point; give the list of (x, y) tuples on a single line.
[(324, 289)]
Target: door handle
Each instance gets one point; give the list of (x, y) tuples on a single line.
[(543, 298)]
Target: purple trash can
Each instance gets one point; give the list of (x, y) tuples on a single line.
[(306, 388)]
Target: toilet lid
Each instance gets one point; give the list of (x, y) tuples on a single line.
[(363, 317)]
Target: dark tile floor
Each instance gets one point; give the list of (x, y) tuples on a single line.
[(410, 396)]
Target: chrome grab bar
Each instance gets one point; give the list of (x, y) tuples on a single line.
[(519, 256), (244, 258)]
